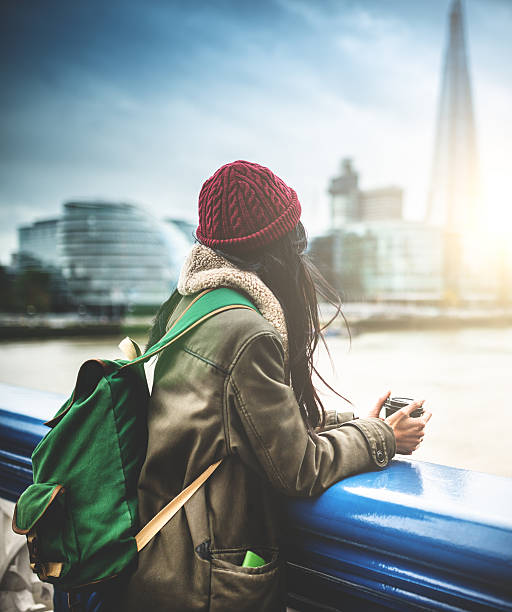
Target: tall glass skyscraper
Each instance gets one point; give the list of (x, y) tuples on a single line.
[(453, 196)]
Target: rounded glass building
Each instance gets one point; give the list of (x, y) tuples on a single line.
[(114, 255)]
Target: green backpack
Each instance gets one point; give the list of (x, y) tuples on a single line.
[(80, 515)]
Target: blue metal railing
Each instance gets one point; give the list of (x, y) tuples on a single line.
[(412, 536)]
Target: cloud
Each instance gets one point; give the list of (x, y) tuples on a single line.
[(142, 101)]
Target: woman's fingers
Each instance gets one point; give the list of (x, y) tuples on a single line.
[(408, 410), (419, 426), (375, 411), (425, 418), (409, 432), (382, 399), (404, 412)]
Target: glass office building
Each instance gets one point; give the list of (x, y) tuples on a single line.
[(350, 204), (116, 255), (389, 261), (39, 242)]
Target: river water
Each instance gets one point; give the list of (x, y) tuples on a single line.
[(464, 375)]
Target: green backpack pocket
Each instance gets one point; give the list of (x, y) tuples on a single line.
[(42, 508)]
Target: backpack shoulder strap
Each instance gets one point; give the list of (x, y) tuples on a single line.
[(161, 519), (206, 304)]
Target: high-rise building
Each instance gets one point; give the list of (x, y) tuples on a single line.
[(350, 204), (454, 189), (381, 204), (344, 191), (38, 242), (453, 196)]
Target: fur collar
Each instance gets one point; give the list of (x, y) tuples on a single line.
[(204, 269)]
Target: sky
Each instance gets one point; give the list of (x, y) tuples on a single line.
[(142, 101)]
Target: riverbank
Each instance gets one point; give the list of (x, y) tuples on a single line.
[(56, 325), (442, 322), (381, 317), (361, 317)]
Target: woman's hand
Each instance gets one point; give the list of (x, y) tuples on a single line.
[(409, 431)]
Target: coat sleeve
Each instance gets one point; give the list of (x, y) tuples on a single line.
[(267, 431), (334, 419)]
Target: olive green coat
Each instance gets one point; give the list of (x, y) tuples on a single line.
[(222, 394)]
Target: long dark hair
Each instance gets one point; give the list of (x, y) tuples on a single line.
[(288, 272)]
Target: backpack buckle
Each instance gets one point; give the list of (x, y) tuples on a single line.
[(33, 549), (50, 569)]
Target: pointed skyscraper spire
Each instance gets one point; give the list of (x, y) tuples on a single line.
[(453, 195)]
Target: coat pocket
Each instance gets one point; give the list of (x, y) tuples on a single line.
[(42, 515), (245, 589)]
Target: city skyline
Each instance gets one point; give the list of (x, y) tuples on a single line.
[(143, 104)]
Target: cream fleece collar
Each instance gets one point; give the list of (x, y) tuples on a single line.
[(205, 269)]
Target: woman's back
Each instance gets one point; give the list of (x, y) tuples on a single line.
[(222, 394), (193, 422)]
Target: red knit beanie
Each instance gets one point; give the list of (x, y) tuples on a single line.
[(244, 206)]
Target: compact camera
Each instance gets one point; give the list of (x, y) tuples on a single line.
[(392, 404)]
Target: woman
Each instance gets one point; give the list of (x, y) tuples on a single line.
[(239, 388)]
